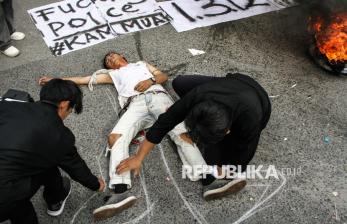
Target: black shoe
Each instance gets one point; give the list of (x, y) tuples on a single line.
[(114, 205), (57, 208), (220, 188)]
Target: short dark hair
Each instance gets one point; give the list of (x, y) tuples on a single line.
[(108, 55), (58, 90), (208, 122)]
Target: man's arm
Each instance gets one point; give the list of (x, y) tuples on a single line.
[(166, 122), (74, 165), (159, 76), (80, 80)]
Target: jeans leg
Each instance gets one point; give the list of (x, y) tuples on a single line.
[(8, 9), (53, 185), (189, 154), (132, 121), (5, 33), (183, 84)]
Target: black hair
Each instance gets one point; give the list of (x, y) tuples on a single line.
[(208, 122), (109, 54), (58, 90)]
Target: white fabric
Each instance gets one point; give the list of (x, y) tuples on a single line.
[(141, 114), (71, 25), (127, 77), (191, 14), (132, 73)]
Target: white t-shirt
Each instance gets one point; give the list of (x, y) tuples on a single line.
[(126, 78)]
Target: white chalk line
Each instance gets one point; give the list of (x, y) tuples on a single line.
[(137, 219), (255, 209), (84, 205), (148, 200), (149, 205), (261, 197), (112, 102), (197, 215), (275, 96)]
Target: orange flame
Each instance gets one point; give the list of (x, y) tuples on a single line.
[(331, 37)]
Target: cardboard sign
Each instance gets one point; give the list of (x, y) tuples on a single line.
[(190, 14), (71, 25)]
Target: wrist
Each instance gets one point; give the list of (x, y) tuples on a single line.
[(153, 81), (140, 157)]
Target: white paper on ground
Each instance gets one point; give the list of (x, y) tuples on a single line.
[(195, 52), (190, 14), (71, 25)]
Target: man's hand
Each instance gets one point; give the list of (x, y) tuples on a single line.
[(143, 85), (131, 163), (44, 79), (102, 185)]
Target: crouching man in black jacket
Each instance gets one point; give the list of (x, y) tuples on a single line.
[(34, 143), (224, 117)]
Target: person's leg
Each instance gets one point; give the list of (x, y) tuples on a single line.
[(56, 189), (5, 34), (8, 9), (216, 188), (242, 157), (23, 213), (183, 84), (132, 121), (213, 157), (52, 181)]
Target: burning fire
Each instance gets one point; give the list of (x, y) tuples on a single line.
[(331, 36)]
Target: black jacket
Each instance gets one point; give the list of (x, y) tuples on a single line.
[(248, 103), (33, 139)]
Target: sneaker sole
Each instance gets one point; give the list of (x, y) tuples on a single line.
[(231, 188), (56, 213), (108, 211)]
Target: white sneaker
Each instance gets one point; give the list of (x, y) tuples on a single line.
[(17, 36), (11, 52)]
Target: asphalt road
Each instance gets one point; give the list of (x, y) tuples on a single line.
[(308, 105)]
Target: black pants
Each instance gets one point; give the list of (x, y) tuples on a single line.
[(6, 23), (220, 153), (21, 211)]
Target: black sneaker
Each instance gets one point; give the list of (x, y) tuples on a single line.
[(57, 208), (220, 188), (114, 205)]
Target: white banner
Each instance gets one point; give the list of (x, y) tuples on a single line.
[(75, 24), (190, 14)]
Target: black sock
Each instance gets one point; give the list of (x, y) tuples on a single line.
[(120, 188), (208, 180)]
